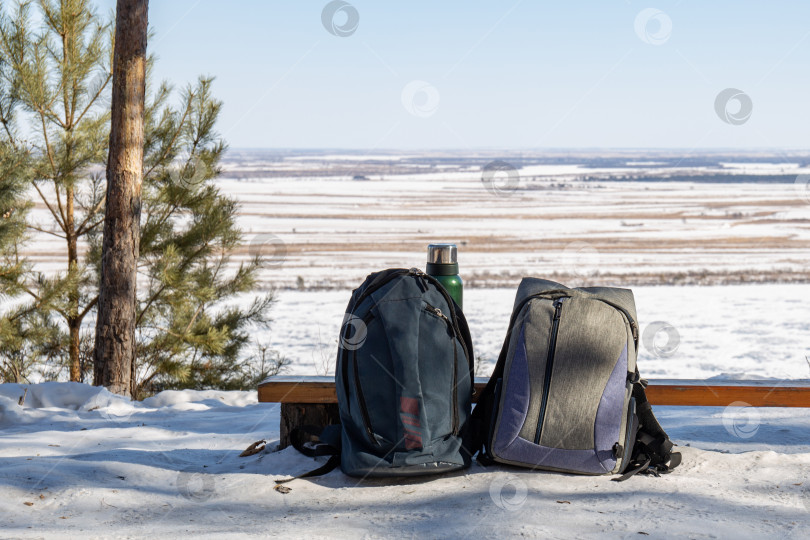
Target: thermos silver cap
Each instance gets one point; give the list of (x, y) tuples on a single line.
[(442, 254)]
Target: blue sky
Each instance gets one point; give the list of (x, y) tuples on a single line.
[(506, 75)]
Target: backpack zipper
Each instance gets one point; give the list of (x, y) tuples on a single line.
[(360, 397), (438, 312), (552, 346), (453, 322), (416, 272)]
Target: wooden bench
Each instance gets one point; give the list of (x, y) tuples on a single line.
[(313, 401)]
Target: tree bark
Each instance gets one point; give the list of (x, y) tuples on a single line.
[(114, 354), (73, 321)]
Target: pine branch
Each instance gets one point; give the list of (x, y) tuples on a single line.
[(47, 144), (48, 205), (80, 231), (61, 208), (87, 308), (90, 228), (46, 231), (193, 318), (7, 129), (172, 141), (65, 100), (94, 98), (164, 286)]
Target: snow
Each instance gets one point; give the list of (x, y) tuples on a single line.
[(94, 465), (331, 231), (762, 330)]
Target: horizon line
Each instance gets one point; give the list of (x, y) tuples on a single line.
[(520, 150)]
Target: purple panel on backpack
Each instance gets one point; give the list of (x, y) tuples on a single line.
[(516, 402), (523, 451), (510, 447), (611, 412)]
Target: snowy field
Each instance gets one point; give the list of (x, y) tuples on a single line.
[(330, 232), (77, 462), (720, 273), (321, 232), (731, 331)]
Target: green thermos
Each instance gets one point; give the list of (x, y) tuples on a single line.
[(442, 264)]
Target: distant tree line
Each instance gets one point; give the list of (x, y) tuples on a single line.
[(699, 178)]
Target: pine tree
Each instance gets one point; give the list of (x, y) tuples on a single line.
[(59, 73), (190, 332), (14, 367), (188, 337)]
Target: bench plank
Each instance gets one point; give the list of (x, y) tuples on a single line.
[(722, 396), (685, 392)]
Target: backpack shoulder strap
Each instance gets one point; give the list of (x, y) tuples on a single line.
[(312, 441), (652, 452)]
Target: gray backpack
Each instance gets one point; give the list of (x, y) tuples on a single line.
[(565, 394), (404, 381)]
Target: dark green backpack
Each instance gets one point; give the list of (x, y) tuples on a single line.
[(404, 381)]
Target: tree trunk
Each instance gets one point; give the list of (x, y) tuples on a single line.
[(74, 327), (73, 322), (114, 354)]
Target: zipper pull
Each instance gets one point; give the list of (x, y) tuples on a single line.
[(558, 308), (421, 279), (436, 311)]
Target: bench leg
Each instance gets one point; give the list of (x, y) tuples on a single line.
[(295, 415)]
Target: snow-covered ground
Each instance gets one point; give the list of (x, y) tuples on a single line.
[(77, 462), (760, 330)]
